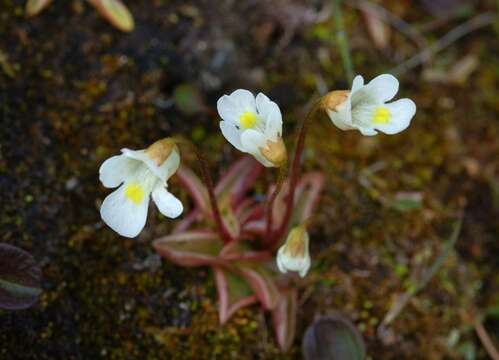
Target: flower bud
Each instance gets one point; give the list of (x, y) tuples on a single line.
[(161, 150), (334, 99), (275, 152), (294, 254)]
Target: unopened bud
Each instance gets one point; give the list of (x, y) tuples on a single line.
[(333, 100), (275, 152), (161, 150), (294, 254)]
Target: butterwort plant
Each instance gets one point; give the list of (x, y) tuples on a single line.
[(256, 244)]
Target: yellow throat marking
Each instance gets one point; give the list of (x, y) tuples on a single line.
[(247, 120), (381, 116), (134, 193)]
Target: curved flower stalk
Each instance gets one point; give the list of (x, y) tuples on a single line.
[(253, 125), (138, 175), (365, 107), (113, 10), (294, 254)]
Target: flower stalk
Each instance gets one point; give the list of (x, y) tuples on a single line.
[(270, 203), (295, 170), (208, 181)]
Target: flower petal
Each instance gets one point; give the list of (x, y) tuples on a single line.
[(252, 141), (164, 171), (279, 260), (342, 118), (167, 203), (271, 114), (357, 83), (171, 165), (122, 215), (244, 100), (367, 131), (115, 170), (383, 87), (305, 267), (232, 134), (228, 109), (401, 112)]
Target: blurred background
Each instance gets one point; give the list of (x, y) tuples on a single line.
[(74, 90)]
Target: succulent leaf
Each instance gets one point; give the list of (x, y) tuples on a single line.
[(19, 278), (190, 248)]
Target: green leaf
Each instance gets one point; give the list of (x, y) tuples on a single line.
[(190, 248), (233, 293), (34, 7), (237, 180), (306, 199), (116, 13), (262, 282), (407, 202), (333, 338), (195, 187), (19, 278), (307, 195), (284, 318)]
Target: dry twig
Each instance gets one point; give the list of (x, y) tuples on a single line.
[(386, 16), (486, 340), (455, 34)]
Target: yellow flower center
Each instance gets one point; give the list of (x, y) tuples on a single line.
[(134, 193), (381, 115), (247, 120)]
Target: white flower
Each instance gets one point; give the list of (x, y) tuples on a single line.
[(365, 107), (139, 174), (294, 254), (253, 125)]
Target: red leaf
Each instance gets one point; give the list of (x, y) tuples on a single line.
[(233, 293), (242, 251), (196, 189), (307, 195), (284, 318), (187, 221), (190, 248), (240, 177), (230, 221), (261, 281), (249, 210)]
